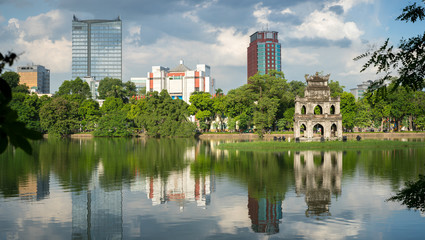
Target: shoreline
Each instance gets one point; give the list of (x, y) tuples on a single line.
[(269, 137), (350, 136)]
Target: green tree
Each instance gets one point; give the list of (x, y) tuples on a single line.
[(113, 124), (401, 104), (336, 89), (363, 117), (162, 116), (112, 104), (297, 88), (59, 117), (265, 114), (89, 113), (406, 59), (348, 110), (77, 88), (111, 87), (130, 89), (21, 88), (219, 92), (288, 117), (11, 129), (27, 106), (381, 111), (202, 106), (219, 108), (12, 78)]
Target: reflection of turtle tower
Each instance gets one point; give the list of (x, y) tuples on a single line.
[(317, 110)]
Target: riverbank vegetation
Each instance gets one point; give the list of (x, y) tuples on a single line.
[(327, 145), (265, 105)]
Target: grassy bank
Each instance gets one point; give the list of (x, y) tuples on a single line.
[(330, 145)]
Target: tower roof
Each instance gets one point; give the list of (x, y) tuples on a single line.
[(180, 68)]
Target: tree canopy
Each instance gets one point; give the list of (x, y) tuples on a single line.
[(407, 59), (11, 129), (77, 88)]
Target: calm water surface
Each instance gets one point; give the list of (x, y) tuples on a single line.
[(188, 189)]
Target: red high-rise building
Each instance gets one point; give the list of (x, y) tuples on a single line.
[(264, 53)]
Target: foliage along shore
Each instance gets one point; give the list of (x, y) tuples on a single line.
[(327, 145), (254, 136)]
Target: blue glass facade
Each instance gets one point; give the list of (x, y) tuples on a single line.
[(96, 48), (268, 57)]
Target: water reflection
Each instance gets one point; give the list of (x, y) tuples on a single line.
[(181, 186), (97, 213), (265, 214), (317, 176), (106, 189), (34, 187)]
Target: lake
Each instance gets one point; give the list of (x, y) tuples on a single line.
[(188, 189)]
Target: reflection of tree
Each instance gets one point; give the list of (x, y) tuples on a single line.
[(412, 195), (318, 175)]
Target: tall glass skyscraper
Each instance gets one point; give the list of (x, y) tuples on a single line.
[(96, 48)]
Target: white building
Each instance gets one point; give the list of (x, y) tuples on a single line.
[(361, 89), (140, 83), (94, 85), (180, 82)]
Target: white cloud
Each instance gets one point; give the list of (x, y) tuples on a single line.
[(297, 55), (327, 25), (261, 13), (54, 55), (348, 4), (41, 40), (287, 11)]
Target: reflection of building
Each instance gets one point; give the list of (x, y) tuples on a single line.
[(180, 186), (36, 77), (35, 188), (96, 212), (263, 53), (180, 82), (97, 48), (265, 214), (318, 175)]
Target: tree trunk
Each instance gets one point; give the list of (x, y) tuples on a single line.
[(398, 125), (382, 124), (410, 123)]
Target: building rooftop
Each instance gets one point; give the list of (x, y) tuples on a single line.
[(180, 68)]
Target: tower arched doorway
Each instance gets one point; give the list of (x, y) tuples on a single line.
[(334, 130), (318, 130)]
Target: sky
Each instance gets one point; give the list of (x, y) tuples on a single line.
[(316, 35)]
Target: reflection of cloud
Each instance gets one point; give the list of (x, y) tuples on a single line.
[(234, 216), (330, 229)]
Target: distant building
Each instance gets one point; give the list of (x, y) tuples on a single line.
[(97, 48), (361, 89), (180, 82), (140, 83), (36, 77), (264, 53), (94, 85)]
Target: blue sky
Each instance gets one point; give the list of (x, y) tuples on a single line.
[(316, 35)]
